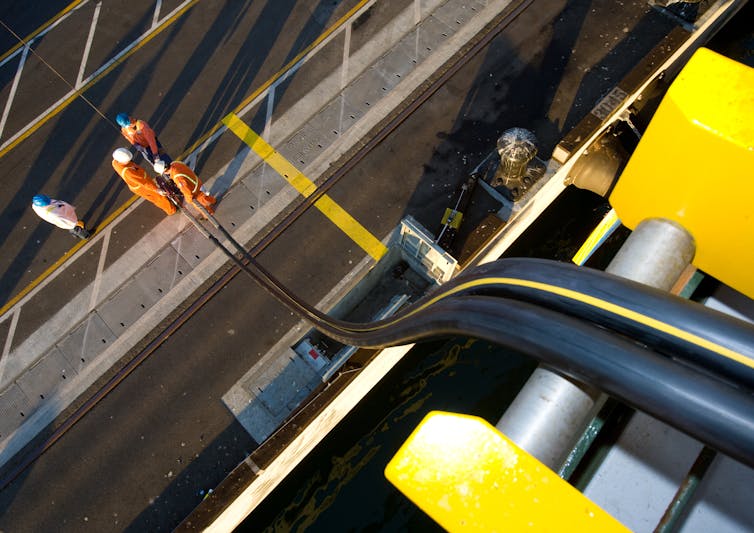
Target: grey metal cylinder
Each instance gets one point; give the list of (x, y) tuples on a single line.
[(598, 168), (550, 413), (655, 254), (548, 416)]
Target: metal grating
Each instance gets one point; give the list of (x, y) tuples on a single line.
[(86, 341), (39, 381), (13, 402), (456, 14), (192, 246), (128, 305)]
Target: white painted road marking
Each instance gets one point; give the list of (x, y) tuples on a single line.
[(88, 46), (12, 94)]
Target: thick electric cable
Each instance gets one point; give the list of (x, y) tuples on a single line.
[(695, 402), (691, 399), (668, 324)]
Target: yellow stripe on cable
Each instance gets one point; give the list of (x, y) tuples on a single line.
[(208, 134), (598, 303), (606, 306)]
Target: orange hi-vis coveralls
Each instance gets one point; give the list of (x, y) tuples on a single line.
[(140, 183), (139, 132), (190, 185)]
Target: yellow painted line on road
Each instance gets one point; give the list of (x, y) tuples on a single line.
[(63, 258), (266, 85), (52, 268), (204, 137), (327, 206), (60, 107), (73, 5)]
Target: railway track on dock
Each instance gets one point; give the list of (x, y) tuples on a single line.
[(351, 160), (273, 234)]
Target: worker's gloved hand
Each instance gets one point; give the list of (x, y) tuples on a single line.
[(159, 166)]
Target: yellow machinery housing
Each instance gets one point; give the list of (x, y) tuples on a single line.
[(695, 166)]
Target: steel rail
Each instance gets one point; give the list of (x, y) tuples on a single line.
[(584, 345), (229, 516), (696, 401), (274, 233)]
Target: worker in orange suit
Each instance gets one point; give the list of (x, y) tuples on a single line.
[(142, 137), (188, 183), (139, 181)]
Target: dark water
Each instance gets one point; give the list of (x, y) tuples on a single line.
[(341, 485)]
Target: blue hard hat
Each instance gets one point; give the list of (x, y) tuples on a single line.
[(123, 120), (41, 200)]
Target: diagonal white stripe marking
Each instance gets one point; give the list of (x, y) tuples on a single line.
[(12, 94), (191, 160), (47, 29), (156, 16), (9, 341), (270, 108), (96, 73), (100, 269), (88, 46), (346, 55)]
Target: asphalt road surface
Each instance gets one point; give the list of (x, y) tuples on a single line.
[(189, 71), (141, 459)]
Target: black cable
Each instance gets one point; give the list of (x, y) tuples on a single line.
[(680, 315), (728, 334), (691, 399), (696, 403), (686, 330)]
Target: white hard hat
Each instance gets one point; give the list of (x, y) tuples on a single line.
[(159, 166), (122, 156)]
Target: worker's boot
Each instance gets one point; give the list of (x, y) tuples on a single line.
[(80, 231), (207, 201)]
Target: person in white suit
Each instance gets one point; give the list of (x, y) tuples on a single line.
[(59, 213)]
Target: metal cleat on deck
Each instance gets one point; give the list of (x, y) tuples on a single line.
[(519, 168)]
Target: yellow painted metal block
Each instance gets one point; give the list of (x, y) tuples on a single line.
[(609, 223), (452, 217), (468, 476), (695, 165)]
